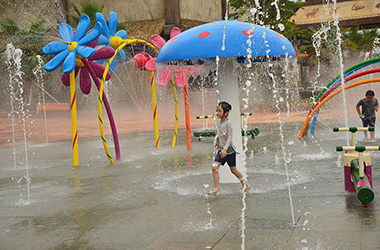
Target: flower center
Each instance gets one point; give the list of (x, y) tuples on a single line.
[(72, 46), (79, 63), (115, 41)]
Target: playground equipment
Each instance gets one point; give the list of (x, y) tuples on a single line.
[(73, 46), (312, 112), (327, 93), (146, 62), (77, 53), (199, 50), (357, 166), (212, 132)]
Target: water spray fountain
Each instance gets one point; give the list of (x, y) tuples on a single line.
[(166, 189), (222, 45)]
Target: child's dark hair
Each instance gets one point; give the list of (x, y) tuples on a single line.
[(225, 106), (370, 93)]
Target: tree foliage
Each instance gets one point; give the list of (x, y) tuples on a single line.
[(30, 39), (88, 8), (275, 15), (357, 40)]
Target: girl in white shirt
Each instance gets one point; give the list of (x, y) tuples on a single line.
[(226, 150)]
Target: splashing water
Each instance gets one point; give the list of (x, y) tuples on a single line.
[(245, 138), (39, 74), (343, 84), (12, 94), (18, 104), (278, 99), (224, 30)]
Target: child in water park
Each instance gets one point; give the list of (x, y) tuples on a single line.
[(369, 105), (226, 150)]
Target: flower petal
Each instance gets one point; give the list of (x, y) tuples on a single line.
[(85, 51), (180, 78), (105, 31), (157, 41), (93, 43), (82, 28), (66, 32), (175, 31), (99, 70), (56, 61), (122, 34), (140, 59), (165, 76), (102, 53), (112, 22), (122, 56), (69, 63), (151, 65), (92, 35), (54, 48), (100, 61), (66, 77), (103, 40), (113, 65), (85, 81)]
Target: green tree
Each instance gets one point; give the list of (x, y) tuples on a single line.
[(30, 39), (357, 40), (88, 8), (268, 13)]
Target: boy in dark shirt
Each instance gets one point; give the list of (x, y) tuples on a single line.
[(369, 105)]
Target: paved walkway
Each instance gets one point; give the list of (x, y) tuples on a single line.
[(155, 199)]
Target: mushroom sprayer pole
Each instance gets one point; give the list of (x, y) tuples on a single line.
[(357, 167)]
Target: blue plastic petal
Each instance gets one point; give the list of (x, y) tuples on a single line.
[(69, 63), (103, 40), (85, 51), (122, 34), (56, 61), (122, 56), (113, 65), (83, 25), (112, 23), (92, 35), (100, 61), (54, 48), (66, 32), (105, 31)]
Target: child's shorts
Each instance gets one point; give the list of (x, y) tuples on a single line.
[(230, 159), (369, 122)]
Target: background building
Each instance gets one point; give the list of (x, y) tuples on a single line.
[(365, 13)]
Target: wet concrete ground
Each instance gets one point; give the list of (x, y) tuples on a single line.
[(155, 199)]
